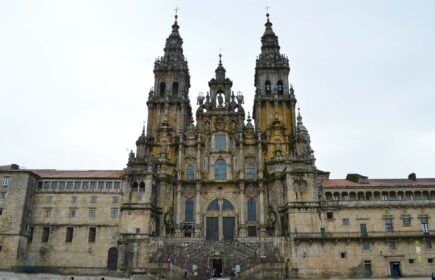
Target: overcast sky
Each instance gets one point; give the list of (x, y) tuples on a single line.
[(74, 76)]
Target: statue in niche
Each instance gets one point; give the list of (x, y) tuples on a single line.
[(169, 222), (271, 221), (220, 99), (207, 127)]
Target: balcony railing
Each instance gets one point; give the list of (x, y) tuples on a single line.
[(358, 235)]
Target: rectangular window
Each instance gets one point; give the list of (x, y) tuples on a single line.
[(2, 195), (92, 234), (73, 199), (77, 185), (346, 221), (430, 260), (424, 225), (252, 231), (30, 237), (45, 234), (392, 245), (85, 185), (39, 185), (69, 234), (428, 244), (93, 185), (220, 142), (117, 185), (93, 199), (250, 173), (100, 185), (54, 185), (115, 199), (114, 213), (49, 199), (92, 213), (47, 212), (62, 185), (411, 261), (69, 185), (366, 246), (72, 213), (329, 215), (406, 220), (5, 181), (389, 225), (46, 185), (108, 185), (1, 211), (343, 255), (1, 247)]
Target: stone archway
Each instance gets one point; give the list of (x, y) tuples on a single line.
[(112, 259), (220, 221)]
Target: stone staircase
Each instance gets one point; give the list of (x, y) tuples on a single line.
[(188, 252)]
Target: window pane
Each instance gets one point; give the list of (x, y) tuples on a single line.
[(220, 142), (227, 205), (220, 170), (250, 173), (214, 205), (252, 210), (190, 172), (188, 215)]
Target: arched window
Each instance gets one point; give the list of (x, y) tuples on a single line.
[(188, 211), (190, 173), (174, 89), (268, 87), (250, 172), (220, 170), (280, 87), (162, 88), (227, 206), (214, 205), (252, 210), (220, 142)]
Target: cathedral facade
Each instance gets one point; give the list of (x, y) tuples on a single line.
[(228, 194)]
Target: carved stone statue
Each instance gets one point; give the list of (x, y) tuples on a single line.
[(169, 222)]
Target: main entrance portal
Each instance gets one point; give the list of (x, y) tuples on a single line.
[(220, 220)]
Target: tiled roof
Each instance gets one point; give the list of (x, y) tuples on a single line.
[(79, 174), (68, 174), (379, 183)]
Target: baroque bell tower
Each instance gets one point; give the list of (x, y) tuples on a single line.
[(168, 102), (274, 103)]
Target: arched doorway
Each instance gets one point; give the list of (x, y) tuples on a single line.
[(220, 220), (112, 259)]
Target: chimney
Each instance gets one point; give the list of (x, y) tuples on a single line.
[(412, 177), (357, 178)]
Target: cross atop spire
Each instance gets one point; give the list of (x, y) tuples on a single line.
[(176, 14)]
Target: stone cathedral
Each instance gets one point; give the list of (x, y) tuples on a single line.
[(228, 195)]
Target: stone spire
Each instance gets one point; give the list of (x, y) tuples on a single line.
[(173, 52), (220, 70), (270, 55)]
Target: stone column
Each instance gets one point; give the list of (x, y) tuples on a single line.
[(242, 220), (260, 157), (262, 224), (178, 214), (198, 209)]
